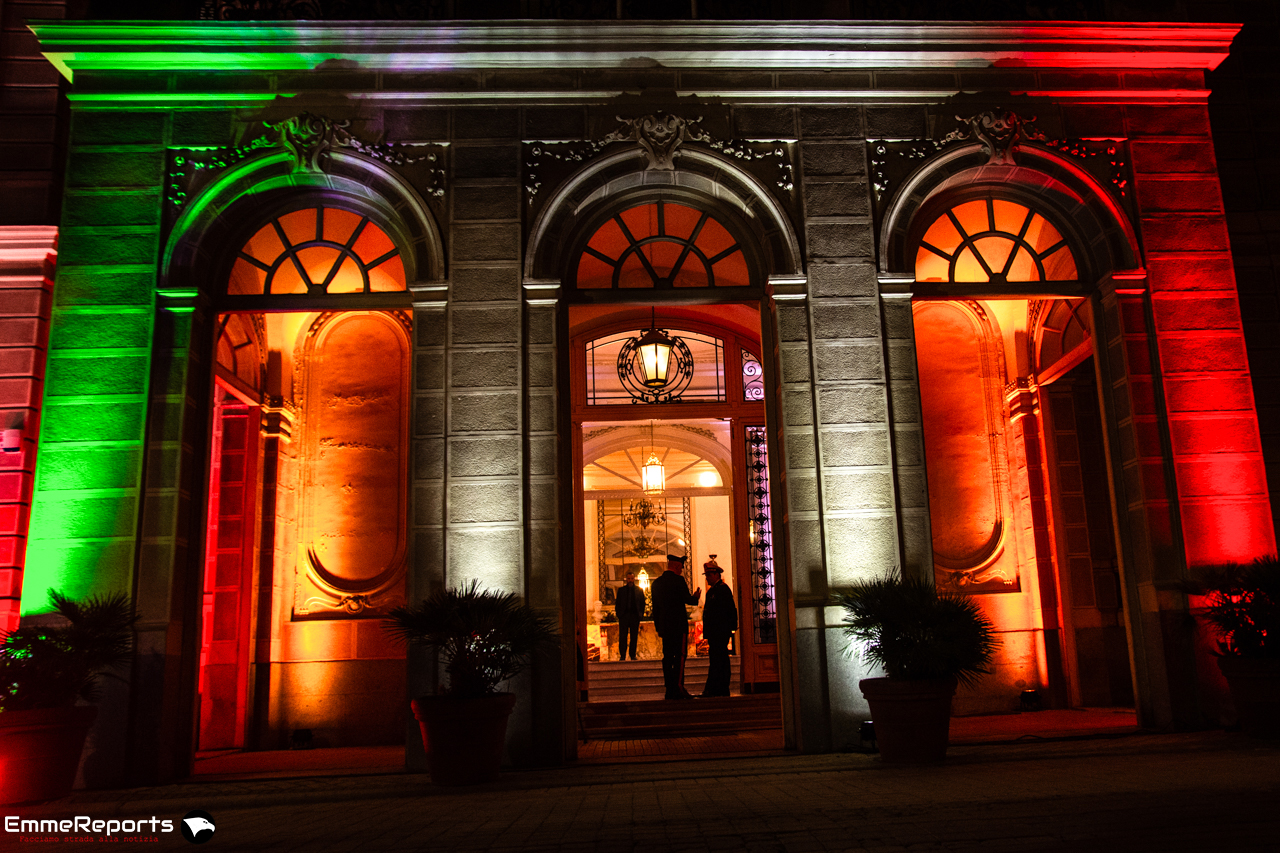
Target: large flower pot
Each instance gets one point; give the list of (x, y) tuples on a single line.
[(40, 751), (464, 736), (1255, 689), (912, 718)]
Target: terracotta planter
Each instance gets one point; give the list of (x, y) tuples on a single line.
[(40, 751), (464, 736), (912, 718), (1255, 689)]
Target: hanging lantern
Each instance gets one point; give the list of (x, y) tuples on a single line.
[(654, 352), (653, 477), (642, 579)]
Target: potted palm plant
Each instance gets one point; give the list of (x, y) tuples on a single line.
[(44, 670), (1242, 606), (484, 639), (926, 644)]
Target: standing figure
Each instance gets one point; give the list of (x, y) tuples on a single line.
[(628, 607), (719, 621), (670, 595)]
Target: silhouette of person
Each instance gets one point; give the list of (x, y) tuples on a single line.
[(670, 595), (628, 607), (719, 621)]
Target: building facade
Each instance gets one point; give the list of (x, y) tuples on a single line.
[(342, 315)]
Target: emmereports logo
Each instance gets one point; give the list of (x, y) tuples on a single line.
[(197, 826), (84, 828)]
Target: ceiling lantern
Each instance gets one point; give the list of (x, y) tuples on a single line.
[(653, 477), (654, 353)]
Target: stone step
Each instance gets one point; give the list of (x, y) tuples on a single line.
[(639, 718), (643, 679)]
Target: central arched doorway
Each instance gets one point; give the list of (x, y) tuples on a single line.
[(679, 267)]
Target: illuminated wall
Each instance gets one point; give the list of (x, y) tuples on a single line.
[(27, 260), (495, 170)]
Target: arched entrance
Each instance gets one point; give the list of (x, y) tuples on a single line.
[(676, 265), (308, 481), (1018, 479)]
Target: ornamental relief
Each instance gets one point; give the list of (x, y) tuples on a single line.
[(658, 139), (1002, 134), (311, 140)]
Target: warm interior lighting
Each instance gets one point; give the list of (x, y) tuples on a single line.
[(653, 477), (655, 357), (642, 579), (708, 479), (996, 241)]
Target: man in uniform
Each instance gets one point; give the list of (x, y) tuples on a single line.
[(719, 621), (628, 607), (670, 595)]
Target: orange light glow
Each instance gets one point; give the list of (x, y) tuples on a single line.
[(321, 249), (993, 241), (662, 245)]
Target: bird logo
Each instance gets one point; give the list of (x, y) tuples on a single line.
[(197, 827)]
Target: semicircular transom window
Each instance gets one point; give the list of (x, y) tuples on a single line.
[(996, 241), (661, 245), (317, 250)]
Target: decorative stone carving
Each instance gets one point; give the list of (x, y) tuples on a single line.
[(999, 133), (310, 139), (660, 137), (541, 155)]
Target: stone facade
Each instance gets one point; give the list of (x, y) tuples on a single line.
[(488, 141)]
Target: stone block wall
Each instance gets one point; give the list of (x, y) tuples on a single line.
[(27, 261), (128, 369)]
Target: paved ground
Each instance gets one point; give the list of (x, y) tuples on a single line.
[(1204, 792)]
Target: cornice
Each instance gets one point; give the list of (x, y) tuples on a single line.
[(268, 46)]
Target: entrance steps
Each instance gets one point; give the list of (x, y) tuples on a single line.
[(662, 718), (642, 679), (626, 702)]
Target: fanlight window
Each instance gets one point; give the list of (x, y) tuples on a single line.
[(996, 241), (702, 371), (662, 245), (317, 250)]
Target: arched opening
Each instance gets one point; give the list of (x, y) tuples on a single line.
[(691, 251), (308, 480), (1020, 508), (710, 502)]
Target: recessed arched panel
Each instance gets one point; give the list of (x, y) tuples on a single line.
[(962, 453), (355, 453)]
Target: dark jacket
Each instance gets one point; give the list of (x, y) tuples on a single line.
[(670, 595), (719, 614), (629, 603)]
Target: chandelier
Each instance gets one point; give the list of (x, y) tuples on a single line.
[(644, 513)]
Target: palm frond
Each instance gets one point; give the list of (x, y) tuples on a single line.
[(485, 637), (910, 631)]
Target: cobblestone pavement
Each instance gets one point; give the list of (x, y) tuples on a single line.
[(1208, 791)]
